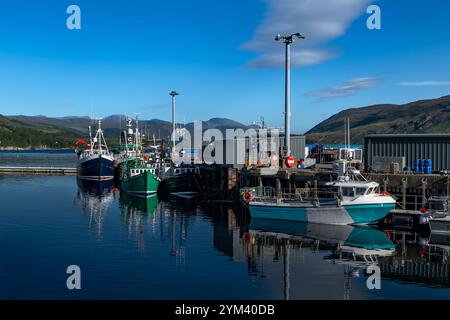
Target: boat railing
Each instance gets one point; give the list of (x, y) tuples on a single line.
[(438, 206), (303, 194), (297, 194), (260, 193)]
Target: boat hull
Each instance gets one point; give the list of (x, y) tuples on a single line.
[(350, 214), (183, 186), (144, 184), (96, 168)]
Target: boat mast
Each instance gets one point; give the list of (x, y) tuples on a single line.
[(345, 138), (137, 139), (99, 139), (99, 136), (90, 139), (104, 141), (128, 136), (348, 130)]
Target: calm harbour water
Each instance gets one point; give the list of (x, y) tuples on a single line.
[(63, 158), (134, 249)]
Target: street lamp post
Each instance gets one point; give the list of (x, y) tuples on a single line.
[(288, 39), (173, 94)]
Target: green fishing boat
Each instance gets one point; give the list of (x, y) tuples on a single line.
[(137, 177)]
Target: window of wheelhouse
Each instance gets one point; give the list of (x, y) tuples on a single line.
[(437, 205), (347, 191), (360, 191), (371, 190)]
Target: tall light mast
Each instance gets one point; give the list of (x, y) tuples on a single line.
[(173, 94), (288, 40)]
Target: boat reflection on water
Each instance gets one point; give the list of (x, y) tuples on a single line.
[(439, 245), (95, 188), (138, 205), (354, 247), (442, 240), (361, 241), (93, 199), (136, 211)]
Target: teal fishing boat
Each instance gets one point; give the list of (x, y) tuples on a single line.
[(354, 201)]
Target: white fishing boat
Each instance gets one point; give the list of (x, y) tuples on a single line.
[(351, 200), (438, 214)]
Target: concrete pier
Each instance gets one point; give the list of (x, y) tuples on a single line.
[(39, 170), (412, 190)]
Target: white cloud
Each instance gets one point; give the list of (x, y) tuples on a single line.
[(425, 83), (346, 88), (298, 58), (319, 20)]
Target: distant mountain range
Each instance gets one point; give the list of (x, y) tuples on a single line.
[(424, 116), (44, 132)]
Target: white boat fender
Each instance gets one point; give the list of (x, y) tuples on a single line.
[(424, 219)]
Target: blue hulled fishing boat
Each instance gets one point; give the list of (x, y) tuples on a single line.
[(95, 162)]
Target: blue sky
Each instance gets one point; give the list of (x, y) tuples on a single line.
[(220, 55)]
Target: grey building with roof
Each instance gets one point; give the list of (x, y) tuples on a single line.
[(411, 146)]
